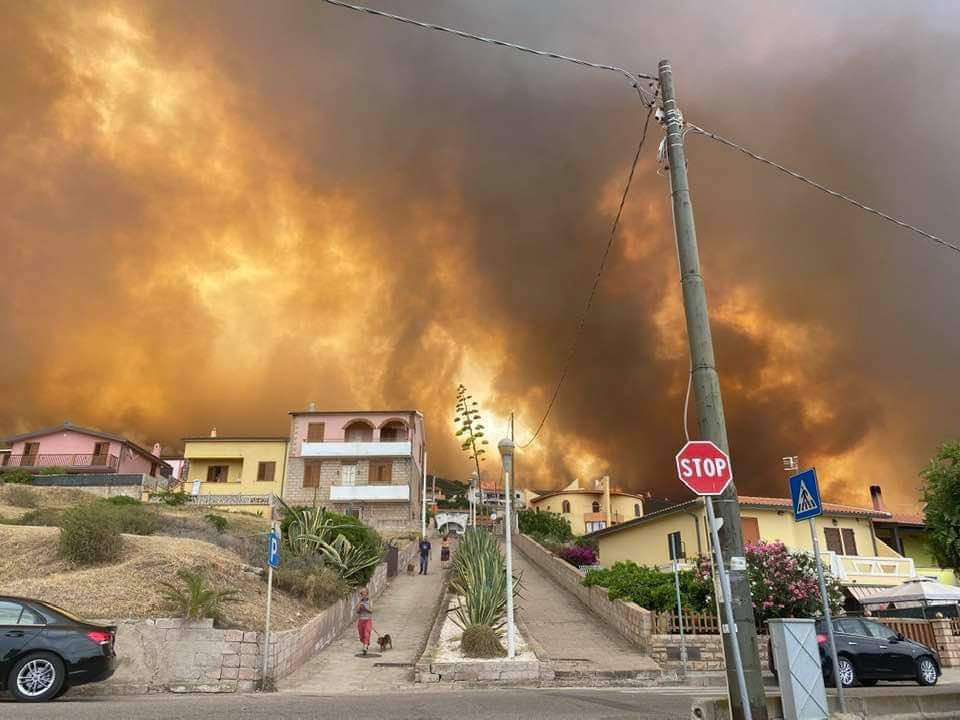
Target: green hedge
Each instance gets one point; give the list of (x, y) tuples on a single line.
[(650, 588)]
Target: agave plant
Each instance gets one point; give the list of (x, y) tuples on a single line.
[(351, 561), (308, 530), (194, 600), (479, 578)]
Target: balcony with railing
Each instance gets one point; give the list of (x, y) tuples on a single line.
[(356, 448), (72, 462), (870, 570), (370, 493)]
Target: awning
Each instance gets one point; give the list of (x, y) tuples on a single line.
[(861, 592)]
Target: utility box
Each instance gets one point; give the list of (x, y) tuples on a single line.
[(796, 656)]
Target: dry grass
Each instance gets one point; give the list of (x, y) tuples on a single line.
[(48, 497), (30, 566)]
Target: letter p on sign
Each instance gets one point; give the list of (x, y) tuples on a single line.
[(704, 468)]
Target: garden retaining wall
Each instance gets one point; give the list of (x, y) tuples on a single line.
[(704, 652), (170, 654), (627, 618)]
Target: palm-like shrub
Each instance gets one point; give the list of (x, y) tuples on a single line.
[(355, 563), (193, 599), (481, 641), (479, 578)]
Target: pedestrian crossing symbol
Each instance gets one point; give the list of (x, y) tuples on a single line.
[(805, 494)]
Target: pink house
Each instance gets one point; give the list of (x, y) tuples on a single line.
[(362, 462), (81, 450)]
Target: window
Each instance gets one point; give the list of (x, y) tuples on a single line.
[(596, 506), (30, 451), (850, 626), (217, 473), (675, 546), (638, 510), (311, 474), (565, 507), (153, 469), (876, 630), (358, 431), (265, 471), (841, 541), (100, 453), (595, 525), (348, 473), (381, 472), (751, 530), (12, 613), (315, 432), (393, 431)]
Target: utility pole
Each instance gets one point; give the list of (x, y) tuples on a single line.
[(712, 426), (506, 453)]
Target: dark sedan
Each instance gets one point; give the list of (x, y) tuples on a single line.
[(45, 650), (869, 651)]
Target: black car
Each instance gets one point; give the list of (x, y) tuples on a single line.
[(868, 651), (45, 650)]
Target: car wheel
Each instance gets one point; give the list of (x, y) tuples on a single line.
[(846, 673), (36, 678), (927, 671), (868, 683)]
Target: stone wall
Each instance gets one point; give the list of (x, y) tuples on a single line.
[(629, 619), (948, 643), (177, 656), (704, 652)]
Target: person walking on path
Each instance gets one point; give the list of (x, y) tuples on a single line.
[(445, 551), (364, 619), (425, 548)]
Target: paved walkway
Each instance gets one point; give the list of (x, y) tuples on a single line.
[(567, 631), (406, 610)]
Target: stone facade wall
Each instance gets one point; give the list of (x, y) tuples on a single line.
[(948, 643), (704, 652), (629, 619)]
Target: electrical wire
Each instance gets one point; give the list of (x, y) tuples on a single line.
[(822, 188), (645, 96), (596, 284)]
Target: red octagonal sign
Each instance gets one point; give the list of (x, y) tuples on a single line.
[(704, 468)]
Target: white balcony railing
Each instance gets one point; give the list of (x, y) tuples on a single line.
[(370, 493), (356, 449), (849, 567)]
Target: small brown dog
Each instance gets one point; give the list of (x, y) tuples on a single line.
[(384, 641), (409, 568)]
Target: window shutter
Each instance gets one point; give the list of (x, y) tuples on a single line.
[(212, 473), (751, 530), (261, 469), (311, 475), (834, 544), (849, 541), (315, 432)]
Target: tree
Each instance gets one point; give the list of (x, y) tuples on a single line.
[(941, 496), (470, 427)]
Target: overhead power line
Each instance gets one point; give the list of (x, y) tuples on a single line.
[(822, 188), (633, 77), (596, 284)]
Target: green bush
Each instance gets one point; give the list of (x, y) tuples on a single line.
[(650, 588), (22, 497), (171, 499), (309, 578), (481, 641), (90, 534), (17, 477), (218, 522), (52, 470), (193, 599), (545, 525), (133, 519), (121, 500), (45, 517)]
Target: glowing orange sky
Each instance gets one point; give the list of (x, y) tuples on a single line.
[(215, 213)]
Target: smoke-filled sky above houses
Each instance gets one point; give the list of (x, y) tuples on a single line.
[(215, 212)]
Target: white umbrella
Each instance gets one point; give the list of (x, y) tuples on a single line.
[(922, 590)]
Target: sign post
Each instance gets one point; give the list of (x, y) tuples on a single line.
[(705, 468), (273, 561), (805, 494)]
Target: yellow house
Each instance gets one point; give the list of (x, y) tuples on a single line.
[(235, 473), (590, 510), (855, 556)]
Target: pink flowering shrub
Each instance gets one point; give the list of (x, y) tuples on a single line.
[(782, 583), (576, 555)]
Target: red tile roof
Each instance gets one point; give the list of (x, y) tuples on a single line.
[(831, 508)]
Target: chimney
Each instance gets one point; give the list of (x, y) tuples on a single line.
[(876, 494), (156, 449), (606, 499), (311, 406), (213, 432)]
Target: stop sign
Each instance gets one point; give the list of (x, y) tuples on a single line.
[(704, 468)]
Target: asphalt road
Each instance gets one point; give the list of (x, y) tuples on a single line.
[(548, 704)]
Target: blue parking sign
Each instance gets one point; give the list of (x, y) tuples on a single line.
[(805, 493), (273, 549)]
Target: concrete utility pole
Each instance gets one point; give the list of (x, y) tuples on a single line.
[(506, 453), (423, 499), (712, 426)]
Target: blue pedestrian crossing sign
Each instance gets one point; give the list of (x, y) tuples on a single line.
[(273, 549), (805, 494)]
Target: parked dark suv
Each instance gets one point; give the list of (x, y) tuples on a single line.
[(45, 650), (868, 651)]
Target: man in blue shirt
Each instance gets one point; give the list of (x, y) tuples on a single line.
[(425, 547)]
